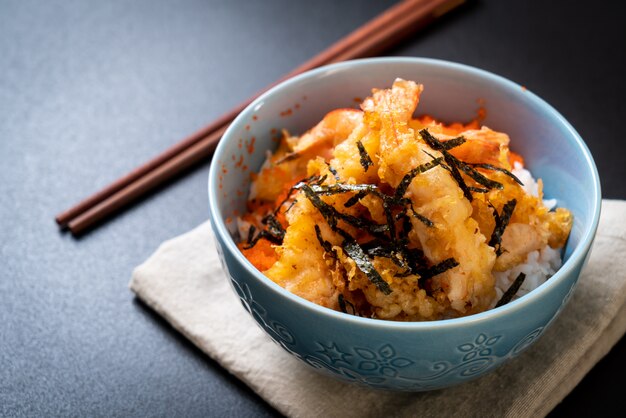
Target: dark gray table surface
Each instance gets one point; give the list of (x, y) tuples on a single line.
[(89, 90)]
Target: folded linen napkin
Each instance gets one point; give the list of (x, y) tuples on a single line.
[(183, 282)]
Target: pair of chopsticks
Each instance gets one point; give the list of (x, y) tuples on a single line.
[(370, 39)]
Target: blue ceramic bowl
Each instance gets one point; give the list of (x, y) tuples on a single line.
[(413, 356)]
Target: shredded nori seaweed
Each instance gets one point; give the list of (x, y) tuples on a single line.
[(332, 215), (274, 227), (478, 178), (366, 161), (502, 220), (344, 303), (457, 166), (290, 192), (356, 253), (451, 143), (388, 242), (408, 178), (430, 272), (355, 199), (327, 246), (251, 232), (500, 169), (333, 171), (407, 203), (459, 179), (511, 291), (407, 226), (478, 189), (262, 234)]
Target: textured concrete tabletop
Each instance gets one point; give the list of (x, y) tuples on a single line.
[(89, 90)]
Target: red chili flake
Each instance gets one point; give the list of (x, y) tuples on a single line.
[(297, 106), (255, 117), (229, 220), (239, 192), (274, 131), (286, 112), (251, 145), (244, 168), (357, 100), (247, 127), (524, 88), (240, 162)]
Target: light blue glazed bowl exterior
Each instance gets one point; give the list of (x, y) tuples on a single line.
[(407, 356)]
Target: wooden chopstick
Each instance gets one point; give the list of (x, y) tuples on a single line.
[(371, 38)]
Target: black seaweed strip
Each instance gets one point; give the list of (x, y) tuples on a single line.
[(364, 189), (511, 291), (332, 215), (408, 178), (251, 232), (459, 179), (291, 205), (416, 261), (327, 211), (445, 265), (416, 257), (366, 161), (391, 224), (478, 189), (500, 169), (342, 305), (406, 225), (333, 171), (291, 190), (264, 234), (380, 251), (502, 220), (423, 219), (355, 199), (435, 144), (451, 143), (337, 188), (274, 227), (320, 180), (454, 162), (388, 252), (420, 217), (327, 246), (479, 178), (356, 253)]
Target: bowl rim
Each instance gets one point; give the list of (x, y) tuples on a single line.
[(578, 255)]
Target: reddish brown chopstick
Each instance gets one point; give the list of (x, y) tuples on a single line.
[(371, 38)]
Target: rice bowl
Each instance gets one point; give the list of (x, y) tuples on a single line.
[(425, 355)]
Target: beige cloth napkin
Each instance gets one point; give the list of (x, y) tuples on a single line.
[(183, 282)]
